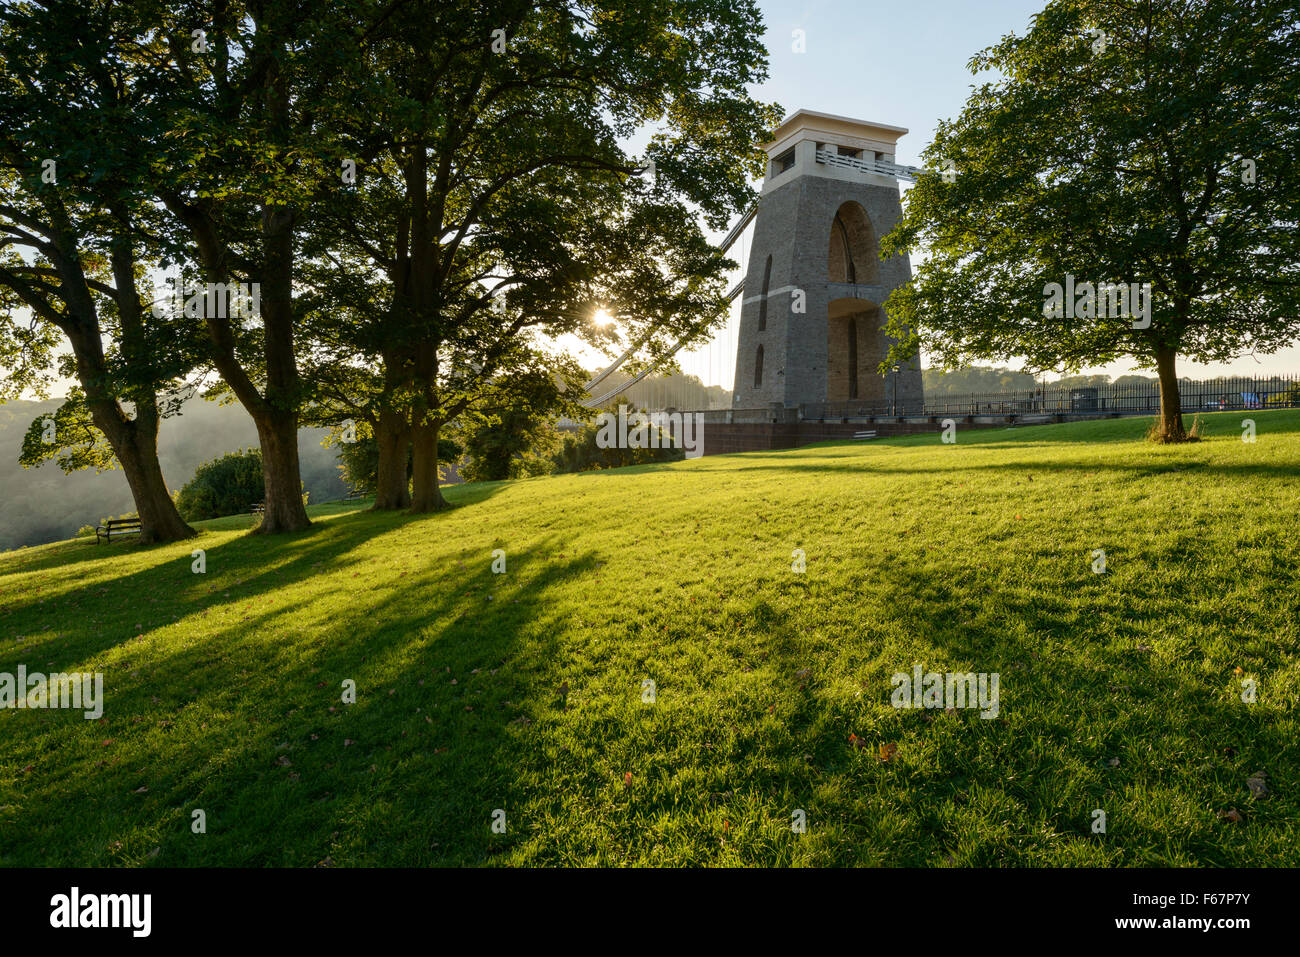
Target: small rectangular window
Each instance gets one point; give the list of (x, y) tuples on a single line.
[(783, 162)]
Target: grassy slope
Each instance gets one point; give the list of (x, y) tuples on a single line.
[(973, 557)]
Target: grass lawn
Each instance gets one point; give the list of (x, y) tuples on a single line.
[(523, 691)]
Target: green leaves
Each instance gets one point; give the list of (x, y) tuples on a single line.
[(69, 436), (1115, 162)]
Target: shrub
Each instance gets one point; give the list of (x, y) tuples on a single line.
[(230, 485), (510, 442), (579, 451)]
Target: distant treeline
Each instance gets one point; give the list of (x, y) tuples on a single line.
[(45, 505), (984, 379)]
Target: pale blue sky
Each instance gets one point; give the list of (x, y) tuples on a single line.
[(902, 63)]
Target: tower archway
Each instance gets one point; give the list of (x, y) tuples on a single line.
[(854, 253), (853, 352)]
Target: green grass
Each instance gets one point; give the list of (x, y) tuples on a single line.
[(523, 691)]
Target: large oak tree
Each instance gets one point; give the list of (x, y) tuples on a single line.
[(1126, 141), (75, 241), (495, 208)]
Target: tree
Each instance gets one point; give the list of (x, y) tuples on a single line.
[(1146, 142), (501, 211), (248, 146), (510, 437), (359, 457), (74, 243)]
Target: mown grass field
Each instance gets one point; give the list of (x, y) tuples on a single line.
[(523, 691)]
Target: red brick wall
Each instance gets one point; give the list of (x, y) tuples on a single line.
[(721, 438)]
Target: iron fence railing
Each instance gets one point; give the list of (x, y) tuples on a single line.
[(1211, 395)]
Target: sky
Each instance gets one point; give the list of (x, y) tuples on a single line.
[(903, 63)]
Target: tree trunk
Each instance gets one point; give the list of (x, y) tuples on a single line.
[(277, 433), (425, 494), (135, 444), (392, 486), (1170, 428), (134, 441), (159, 519)]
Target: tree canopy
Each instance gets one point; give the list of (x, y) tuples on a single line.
[(424, 198), (1146, 143)]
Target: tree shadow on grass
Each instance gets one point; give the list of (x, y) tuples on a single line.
[(758, 694), (246, 722), (329, 535), (1102, 706), (84, 550), (105, 612)]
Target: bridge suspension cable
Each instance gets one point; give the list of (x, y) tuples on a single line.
[(726, 244)]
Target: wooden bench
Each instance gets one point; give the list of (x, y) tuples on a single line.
[(117, 526), (258, 509), (864, 435)]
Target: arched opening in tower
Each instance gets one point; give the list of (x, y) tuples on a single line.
[(854, 254), (854, 349)]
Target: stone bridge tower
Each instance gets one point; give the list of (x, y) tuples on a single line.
[(830, 194)]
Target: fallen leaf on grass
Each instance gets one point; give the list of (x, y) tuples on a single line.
[(1232, 814), (1256, 784), (888, 751)]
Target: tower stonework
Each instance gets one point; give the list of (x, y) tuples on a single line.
[(816, 245)]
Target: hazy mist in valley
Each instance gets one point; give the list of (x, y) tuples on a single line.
[(45, 505)]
